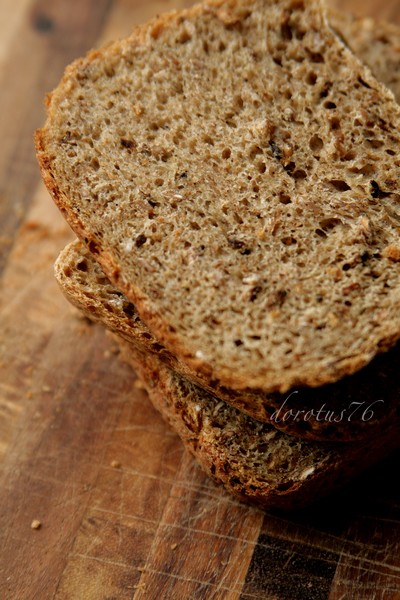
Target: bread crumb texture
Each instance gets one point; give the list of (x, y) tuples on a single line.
[(234, 168)]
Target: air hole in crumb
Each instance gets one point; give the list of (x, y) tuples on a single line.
[(311, 78), (67, 272), (82, 266), (238, 102), (93, 247), (316, 143), (226, 153), (290, 167), (156, 347), (127, 143), (284, 199), (238, 343), (349, 155), (340, 185), (346, 267), (286, 32), (254, 150), (289, 240), (329, 105), (364, 83), (140, 240), (374, 143), (335, 124), (316, 57), (159, 182), (376, 191), (261, 167), (390, 152), (320, 233), (330, 223), (184, 37), (208, 139), (299, 174), (129, 310), (95, 164)]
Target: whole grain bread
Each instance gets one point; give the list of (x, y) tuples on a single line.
[(357, 407), (253, 460), (234, 169)]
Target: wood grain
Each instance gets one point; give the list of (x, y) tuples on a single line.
[(44, 36), (124, 512)]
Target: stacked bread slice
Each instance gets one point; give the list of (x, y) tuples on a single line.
[(232, 173)]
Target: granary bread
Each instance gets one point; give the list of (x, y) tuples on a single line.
[(359, 406), (253, 460), (234, 168)]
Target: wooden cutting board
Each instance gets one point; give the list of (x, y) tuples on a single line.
[(98, 500)]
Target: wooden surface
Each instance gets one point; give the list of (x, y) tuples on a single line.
[(124, 512)]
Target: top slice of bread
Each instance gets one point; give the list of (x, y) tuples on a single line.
[(234, 169)]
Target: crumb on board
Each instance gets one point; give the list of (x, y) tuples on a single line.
[(173, 546), (139, 385), (115, 464), (46, 388), (36, 524), (139, 586)]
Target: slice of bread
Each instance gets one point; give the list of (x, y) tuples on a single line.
[(357, 407), (254, 461), (234, 168), (376, 43)]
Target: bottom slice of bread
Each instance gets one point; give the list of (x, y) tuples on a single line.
[(358, 407), (253, 460)]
